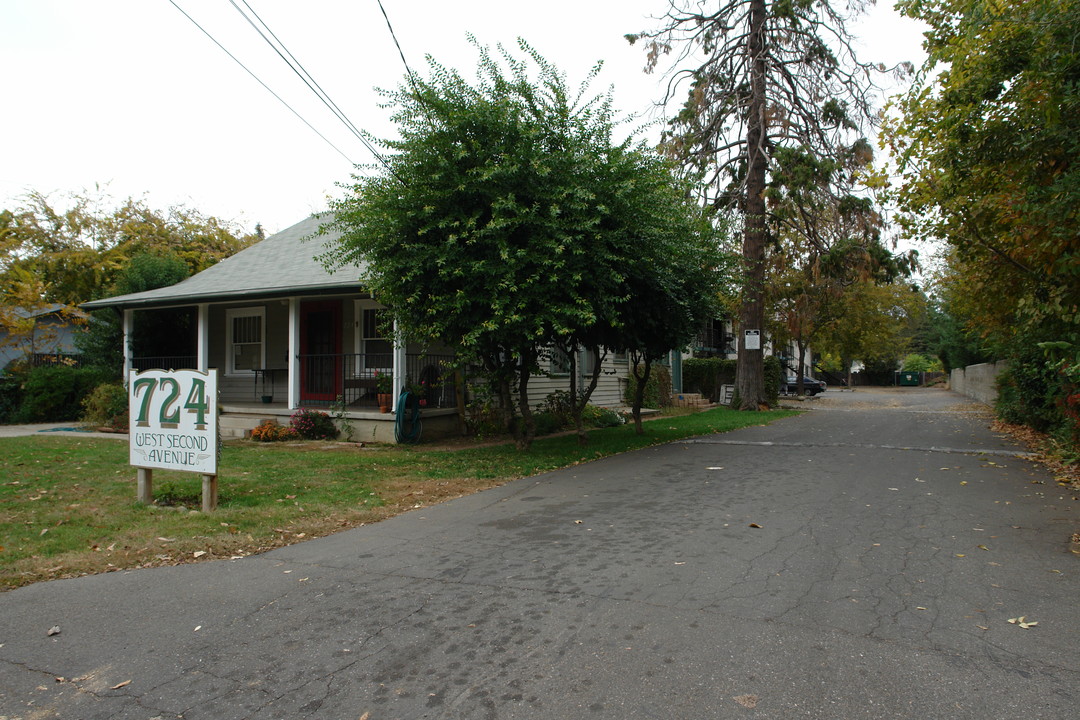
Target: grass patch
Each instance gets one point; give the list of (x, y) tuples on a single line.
[(67, 505)]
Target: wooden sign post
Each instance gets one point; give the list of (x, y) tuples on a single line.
[(174, 426)]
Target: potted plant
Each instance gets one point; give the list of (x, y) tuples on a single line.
[(383, 385), (420, 390)]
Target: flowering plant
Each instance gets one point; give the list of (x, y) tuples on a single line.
[(383, 382), (313, 425), (270, 431)]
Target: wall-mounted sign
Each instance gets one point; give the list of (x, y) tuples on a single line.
[(752, 339), (173, 422)]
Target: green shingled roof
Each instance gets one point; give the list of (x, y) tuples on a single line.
[(282, 264)]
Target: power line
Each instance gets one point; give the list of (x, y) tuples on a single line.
[(396, 43), (305, 76), (256, 77)]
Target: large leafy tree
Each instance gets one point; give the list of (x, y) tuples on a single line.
[(757, 79), (77, 246), (56, 254), (506, 220), (989, 141), (872, 324), (168, 332)]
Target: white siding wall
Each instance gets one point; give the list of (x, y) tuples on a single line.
[(609, 387)]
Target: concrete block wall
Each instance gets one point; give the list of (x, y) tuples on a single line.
[(977, 381)]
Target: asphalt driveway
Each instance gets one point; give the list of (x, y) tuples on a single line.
[(862, 560)]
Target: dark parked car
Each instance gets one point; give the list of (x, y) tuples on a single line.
[(810, 385)]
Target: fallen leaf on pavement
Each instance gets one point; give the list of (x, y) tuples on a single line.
[(747, 701), (54, 630), (1022, 621), (755, 525)]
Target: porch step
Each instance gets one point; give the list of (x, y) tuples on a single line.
[(691, 400), (240, 426)]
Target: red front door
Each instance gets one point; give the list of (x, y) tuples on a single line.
[(320, 350)]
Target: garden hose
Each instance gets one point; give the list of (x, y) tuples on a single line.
[(407, 424)]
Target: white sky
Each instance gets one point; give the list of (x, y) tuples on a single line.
[(131, 95)]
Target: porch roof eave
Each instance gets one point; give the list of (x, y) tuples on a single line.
[(151, 300)]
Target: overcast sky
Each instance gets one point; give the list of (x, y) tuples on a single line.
[(130, 94)]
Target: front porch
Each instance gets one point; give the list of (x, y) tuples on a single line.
[(345, 385), (238, 419), (275, 356)]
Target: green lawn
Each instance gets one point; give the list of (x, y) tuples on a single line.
[(67, 504)]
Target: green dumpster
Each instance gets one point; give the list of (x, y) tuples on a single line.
[(909, 379)]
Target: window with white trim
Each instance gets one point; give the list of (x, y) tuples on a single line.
[(559, 362), (589, 361), (246, 328)]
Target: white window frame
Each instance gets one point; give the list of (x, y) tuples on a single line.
[(230, 355), (558, 363), (360, 307), (588, 360)]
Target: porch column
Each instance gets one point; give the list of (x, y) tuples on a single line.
[(399, 369), (202, 359), (129, 320), (294, 353)]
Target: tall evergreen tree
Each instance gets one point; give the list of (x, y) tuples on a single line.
[(756, 79)]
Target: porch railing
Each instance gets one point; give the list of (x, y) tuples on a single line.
[(164, 362), (356, 379)]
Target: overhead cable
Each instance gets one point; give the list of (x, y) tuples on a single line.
[(256, 77), (305, 77)]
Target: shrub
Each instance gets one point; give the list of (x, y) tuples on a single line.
[(601, 417), (657, 390), (559, 405), (774, 375), (484, 416), (270, 431), (313, 425), (1028, 388), (547, 423), (54, 393), (707, 375), (10, 396), (107, 406)]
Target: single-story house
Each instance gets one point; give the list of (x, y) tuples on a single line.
[(49, 336), (285, 333)]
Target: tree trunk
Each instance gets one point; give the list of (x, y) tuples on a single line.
[(639, 393), (500, 377), (527, 432), (586, 395), (750, 368), (799, 367)]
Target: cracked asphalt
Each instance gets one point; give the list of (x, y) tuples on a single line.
[(862, 560)]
